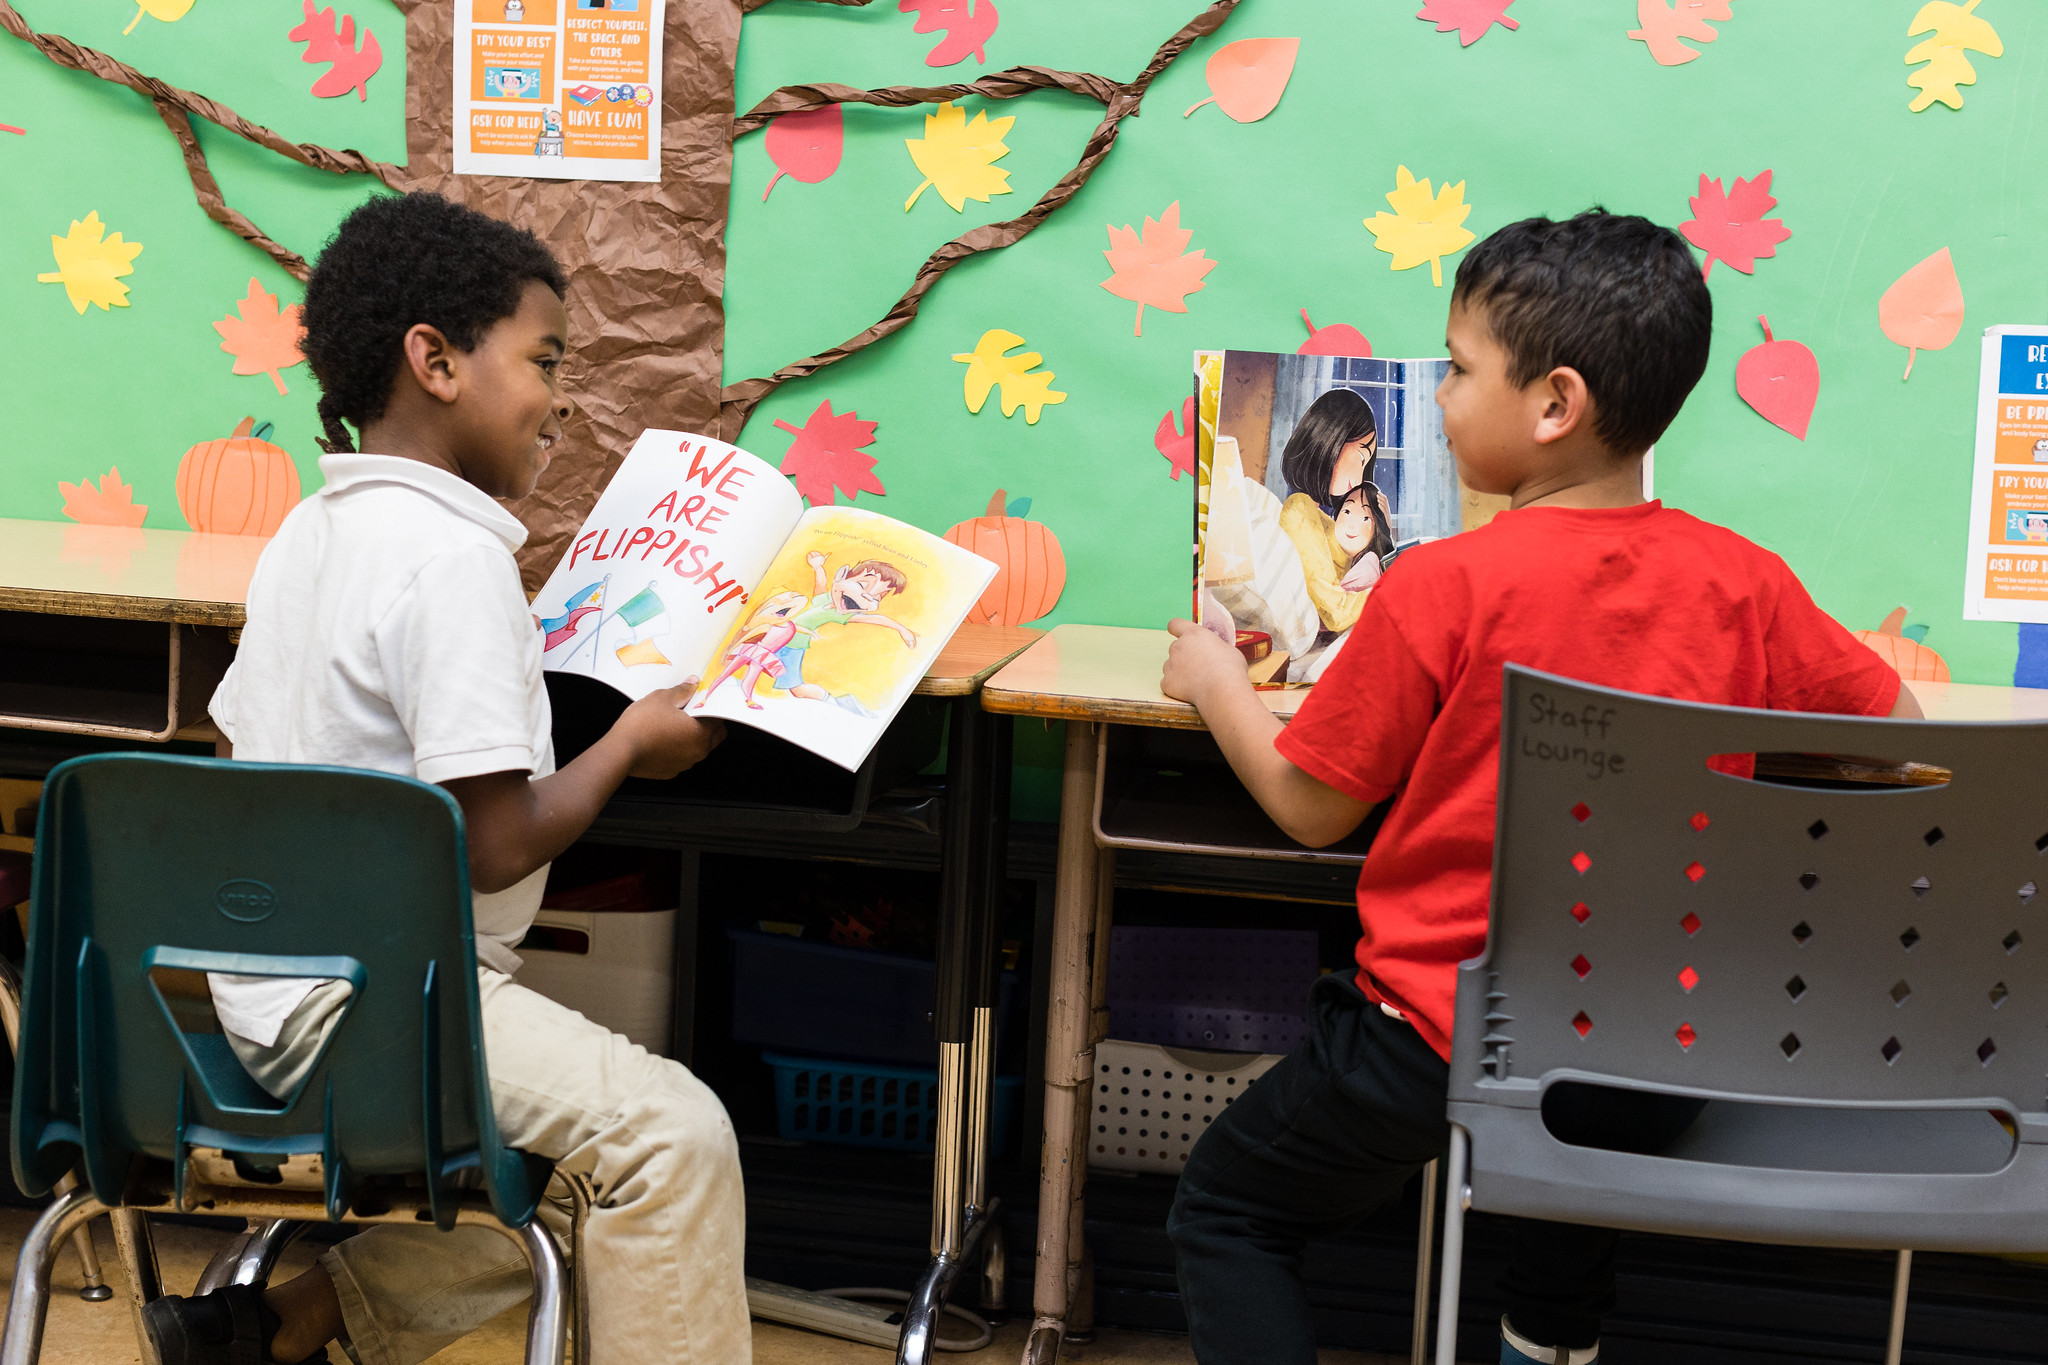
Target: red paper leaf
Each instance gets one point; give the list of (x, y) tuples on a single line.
[(966, 28), (1781, 380), (352, 67), (806, 144), (1178, 446), (827, 451), (1339, 338), (1731, 226), (1472, 18)]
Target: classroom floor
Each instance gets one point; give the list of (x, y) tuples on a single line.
[(81, 1333)]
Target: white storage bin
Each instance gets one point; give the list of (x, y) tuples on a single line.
[(1152, 1103), (613, 967)]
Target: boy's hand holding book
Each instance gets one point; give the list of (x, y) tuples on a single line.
[(664, 738)]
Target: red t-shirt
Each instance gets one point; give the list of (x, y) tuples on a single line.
[(1646, 599)]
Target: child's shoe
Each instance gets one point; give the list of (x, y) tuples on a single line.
[(230, 1326), (1516, 1349)]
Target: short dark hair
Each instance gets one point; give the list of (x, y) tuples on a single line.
[(400, 260), (1333, 421), (1617, 298), (888, 573)]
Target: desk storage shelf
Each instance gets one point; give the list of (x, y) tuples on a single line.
[(88, 675)]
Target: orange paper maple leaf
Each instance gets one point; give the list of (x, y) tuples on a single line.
[(1151, 269), (111, 504), (262, 340)]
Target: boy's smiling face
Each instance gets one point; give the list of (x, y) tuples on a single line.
[(861, 592), (508, 407)]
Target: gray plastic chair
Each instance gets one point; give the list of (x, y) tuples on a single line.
[(1852, 978)]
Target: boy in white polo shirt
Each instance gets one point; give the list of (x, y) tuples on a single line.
[(387, 629)]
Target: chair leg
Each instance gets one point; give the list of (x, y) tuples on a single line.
[(1901, 1281), (1454, 1247), (265, 1245), (21, 1343), (137, 1252), (1425, 1255), (581, 1195), (547, 1317)]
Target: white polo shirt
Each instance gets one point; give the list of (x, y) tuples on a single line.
[(387, 629)]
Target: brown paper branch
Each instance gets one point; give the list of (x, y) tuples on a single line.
[(175, 106), (738, 401)]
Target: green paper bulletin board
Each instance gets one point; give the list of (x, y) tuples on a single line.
[(1561, 113)]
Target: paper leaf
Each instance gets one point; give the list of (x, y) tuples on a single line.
[(1957, 30), (1248, 77), (10, 128), (827, 451), (1923, 310), (966, 26), (111, 504), (170, 11), (352, 67), (1781, 380), (806, 144), (1663, 24), (1731, 226), (957, 157), (988, 365), (1178, 446), (262, 340), (1150, 268), (89, 268), (1472, 18), (1423, 226), (1339, 338)]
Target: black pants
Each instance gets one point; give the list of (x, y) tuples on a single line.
[(1334, 1131)]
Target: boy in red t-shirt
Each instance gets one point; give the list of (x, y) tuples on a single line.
[(1572, 347)]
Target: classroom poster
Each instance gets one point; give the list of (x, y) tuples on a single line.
[(558, 89), (2007, 578)]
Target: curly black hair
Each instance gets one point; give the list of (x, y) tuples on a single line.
[(397, 261), (1617, 298)]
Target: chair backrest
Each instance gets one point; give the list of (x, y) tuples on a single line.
[(1659, 925), (149, 863)]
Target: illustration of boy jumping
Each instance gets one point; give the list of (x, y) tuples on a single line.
[(853, 597)]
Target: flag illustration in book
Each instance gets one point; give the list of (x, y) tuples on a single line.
[(642, 607), (562, 629)]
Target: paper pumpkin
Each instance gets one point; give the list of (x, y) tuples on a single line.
[(1909, 658), (806, 145), (1781, 380), (1031, 570), (1248, 77), (1339, 338), (1923, 310), (111, 503), (240, 485)]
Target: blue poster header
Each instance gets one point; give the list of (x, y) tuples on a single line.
[(2023, 364)]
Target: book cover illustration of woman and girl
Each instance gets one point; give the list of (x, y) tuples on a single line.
[(1322, 468)]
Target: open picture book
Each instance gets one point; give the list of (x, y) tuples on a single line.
[(1313, 472), (700, 560)]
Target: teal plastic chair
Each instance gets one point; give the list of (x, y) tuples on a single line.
[(153, 868)]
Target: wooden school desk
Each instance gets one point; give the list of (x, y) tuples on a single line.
[(122, 633), (1104, 680)]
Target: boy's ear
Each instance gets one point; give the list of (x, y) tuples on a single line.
[(1564, 404), (432, 361)]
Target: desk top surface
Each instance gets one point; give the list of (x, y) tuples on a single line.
[(1111, 674), (192, 578)]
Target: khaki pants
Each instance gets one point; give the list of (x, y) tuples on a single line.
[(665, 1244)]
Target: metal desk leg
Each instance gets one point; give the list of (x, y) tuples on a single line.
[(971, 867), (1069, 1049)]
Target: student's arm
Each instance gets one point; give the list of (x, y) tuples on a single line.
[(1201, 669), (1907, 707), (518, 824)]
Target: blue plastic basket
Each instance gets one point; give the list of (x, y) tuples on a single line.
[(865, 1105)]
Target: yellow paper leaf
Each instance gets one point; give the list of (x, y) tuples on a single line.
[(89, 268), (170, 11), (1957, 30), (1423, 226), (989, 366), (956, 157)]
